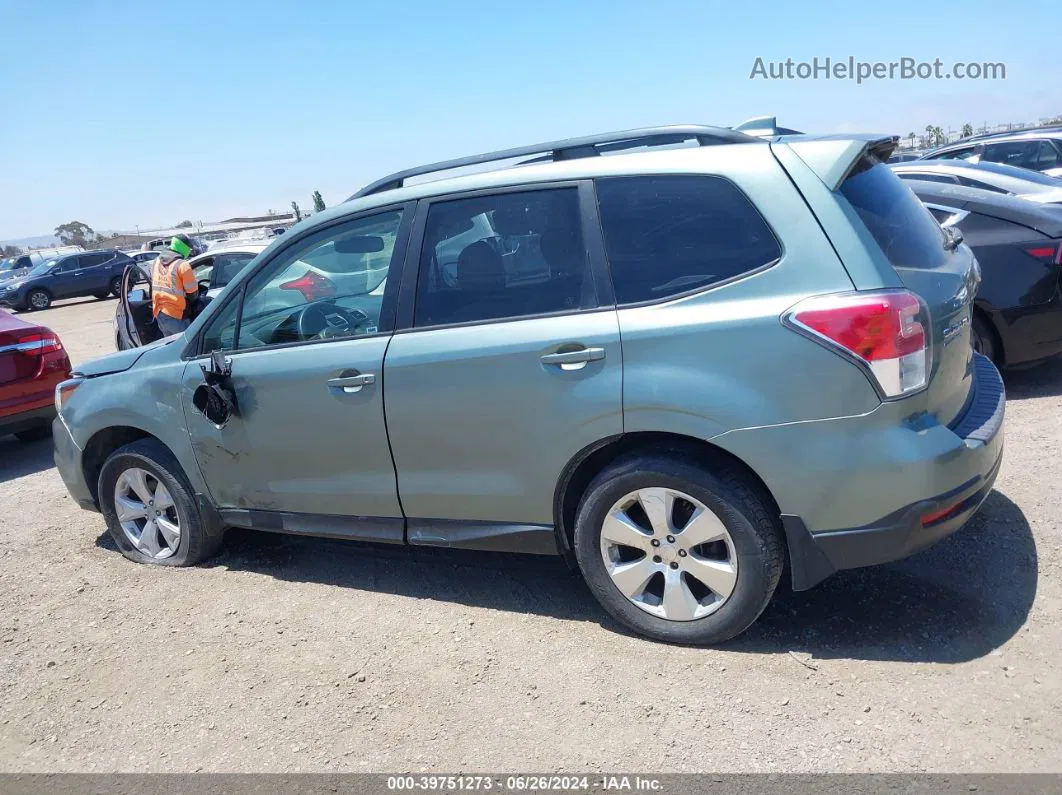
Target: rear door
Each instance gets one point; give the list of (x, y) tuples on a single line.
[(508, 366), (929, 263)]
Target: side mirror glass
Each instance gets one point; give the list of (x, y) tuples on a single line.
[(138, 296)]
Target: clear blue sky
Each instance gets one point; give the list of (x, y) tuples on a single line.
[(120, 113)]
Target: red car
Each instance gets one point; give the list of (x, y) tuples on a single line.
[(32, 362)]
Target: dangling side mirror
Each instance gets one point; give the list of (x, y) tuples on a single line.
[(216, 399)]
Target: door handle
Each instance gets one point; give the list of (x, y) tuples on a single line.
[(352, 383), (574, 360)]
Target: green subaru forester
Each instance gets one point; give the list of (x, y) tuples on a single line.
[(682, 357)]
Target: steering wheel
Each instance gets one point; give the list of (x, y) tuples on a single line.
[(315, 321)]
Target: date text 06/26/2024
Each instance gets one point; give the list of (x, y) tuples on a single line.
[(523, 783)]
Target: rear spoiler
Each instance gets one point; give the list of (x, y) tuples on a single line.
[(832, 157)]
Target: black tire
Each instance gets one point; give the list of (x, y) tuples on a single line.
[(37, 434), (38, 300), (984, 338), (100, 296), (195, 545), (740, 505), (114, 287)]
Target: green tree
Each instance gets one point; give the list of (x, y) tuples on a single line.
[(298, 213), (967, 130), (912, 136), (184, 225), (75, 233), (318, 202), (10, 251)]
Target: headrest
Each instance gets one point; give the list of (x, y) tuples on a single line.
[(480, 268)]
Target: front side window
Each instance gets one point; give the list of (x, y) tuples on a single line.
[(666, 235), (327, 286), (503, 256)]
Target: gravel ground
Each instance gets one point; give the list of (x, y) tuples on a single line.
[(294, 654)]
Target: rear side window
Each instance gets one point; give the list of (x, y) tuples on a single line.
[(905, 231), (924, 177), (504, 256), (666, 235), (1022, 154)]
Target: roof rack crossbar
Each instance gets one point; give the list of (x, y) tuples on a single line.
[(571, 149)]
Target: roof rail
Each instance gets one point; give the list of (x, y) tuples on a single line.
[(571, 149)]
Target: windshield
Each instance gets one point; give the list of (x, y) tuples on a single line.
[(41, 269), (1020, 173)]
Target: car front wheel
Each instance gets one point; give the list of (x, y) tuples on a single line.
[(679, 552), (115, 286), (149, 507), (38, 300)]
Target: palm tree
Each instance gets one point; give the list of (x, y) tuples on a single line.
[(938, 136), (912, 137), (967, 130)]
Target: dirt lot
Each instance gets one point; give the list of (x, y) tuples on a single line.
[(291, 654)]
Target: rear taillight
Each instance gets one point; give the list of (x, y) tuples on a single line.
[(1049, 255), (30, 353), (884, 332), (313, 286), (37, 343)]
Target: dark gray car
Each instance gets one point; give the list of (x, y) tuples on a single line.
[(95, 273)]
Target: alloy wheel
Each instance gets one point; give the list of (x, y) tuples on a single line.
[(147, 513), (39, 300), (669, 554)]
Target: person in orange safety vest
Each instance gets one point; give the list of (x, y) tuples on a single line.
[(173, 287)]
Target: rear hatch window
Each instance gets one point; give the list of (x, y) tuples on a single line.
[(930, 265), (904, 230)]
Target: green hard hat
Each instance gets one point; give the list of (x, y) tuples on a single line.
[(181, 245)]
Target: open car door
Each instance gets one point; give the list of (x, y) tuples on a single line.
[(138, 323)]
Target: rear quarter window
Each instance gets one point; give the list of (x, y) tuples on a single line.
[(905, 231), (667, 235)]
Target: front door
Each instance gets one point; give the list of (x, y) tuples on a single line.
[(307, 451), (511, 367), (66, 277)]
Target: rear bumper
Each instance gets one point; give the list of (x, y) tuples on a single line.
[(25, 420), (814, 556)]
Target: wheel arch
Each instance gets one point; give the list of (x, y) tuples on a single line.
[(99, 447), (989, 315), (591, 460)]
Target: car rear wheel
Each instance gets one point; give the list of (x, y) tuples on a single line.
[(150, 511), (38, 300), (100, 296), (38, 434), (114, 287), (676, 552), (983, 338)]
